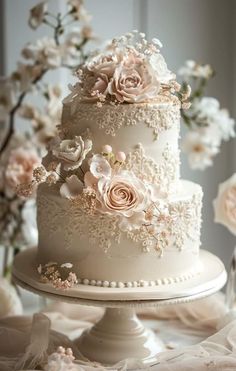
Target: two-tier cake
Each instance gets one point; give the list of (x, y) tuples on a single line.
[(112, 210)]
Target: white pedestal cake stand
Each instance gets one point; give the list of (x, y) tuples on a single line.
[(119, 334)]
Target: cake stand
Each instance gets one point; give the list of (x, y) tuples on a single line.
[(120, 334)]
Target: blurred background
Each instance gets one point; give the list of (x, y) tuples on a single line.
[(201, 30)]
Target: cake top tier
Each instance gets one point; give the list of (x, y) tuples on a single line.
[(129, 70)]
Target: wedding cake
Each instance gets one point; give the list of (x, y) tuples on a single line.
[(112, 210)]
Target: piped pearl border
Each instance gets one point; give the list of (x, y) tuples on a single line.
[(141, 283)]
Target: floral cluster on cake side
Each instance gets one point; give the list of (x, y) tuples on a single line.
[(107, 184)]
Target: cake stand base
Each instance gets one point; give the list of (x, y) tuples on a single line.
[(119, 335)]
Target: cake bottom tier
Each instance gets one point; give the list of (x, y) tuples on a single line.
[(99, 253)]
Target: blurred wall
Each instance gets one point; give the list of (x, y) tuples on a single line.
[(203, 30)]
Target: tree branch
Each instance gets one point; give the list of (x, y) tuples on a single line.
[(11, 128)]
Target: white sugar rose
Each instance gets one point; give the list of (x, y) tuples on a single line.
[(72, 187), (122, 194), (158, 64), (71, 152), (134, 81), (225, 204)]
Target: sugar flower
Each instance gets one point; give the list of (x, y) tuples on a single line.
[(129, 70), (71, 152), (123, 194), (134, 81), (61, 360), (225, 204), (100, 167)]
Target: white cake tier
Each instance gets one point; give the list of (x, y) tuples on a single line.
[(155, 125), (102, 254)]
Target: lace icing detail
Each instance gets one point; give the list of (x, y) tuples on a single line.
[(111, 118), (164, 174), (99, 228), (175, 223), (178, 222)]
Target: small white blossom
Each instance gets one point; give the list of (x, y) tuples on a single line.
[(44, 51), (192, 69), (200, 149), (37, 15), (78, 10)]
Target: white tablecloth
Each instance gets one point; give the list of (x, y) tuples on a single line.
[(198, 336)]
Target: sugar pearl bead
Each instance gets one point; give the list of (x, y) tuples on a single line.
[(93, 282), (113, 284), (152, 283), (129, 284), (135, 283), (105, 284), (99, 283), (120, 156), (121, 285), (86, 281), (144, 283), (107, 149)]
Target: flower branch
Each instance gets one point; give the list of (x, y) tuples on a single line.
[(209, 125)]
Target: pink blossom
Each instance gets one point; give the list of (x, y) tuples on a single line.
[(20, 167)]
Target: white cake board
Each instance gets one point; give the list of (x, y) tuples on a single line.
[(119, 334)]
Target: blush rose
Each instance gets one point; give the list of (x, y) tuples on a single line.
[(20, 167), (134, 81), (122, 194), (225, 204)]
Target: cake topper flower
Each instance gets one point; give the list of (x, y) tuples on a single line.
[(129, 70)]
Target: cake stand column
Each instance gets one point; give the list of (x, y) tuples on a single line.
[(117, 336)]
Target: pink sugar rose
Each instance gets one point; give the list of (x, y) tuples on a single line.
[(134, 81), (103, 65), (95, 85), (122, 194), (20, 167)]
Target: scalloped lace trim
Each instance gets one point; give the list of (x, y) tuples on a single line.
[(111, 118)]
